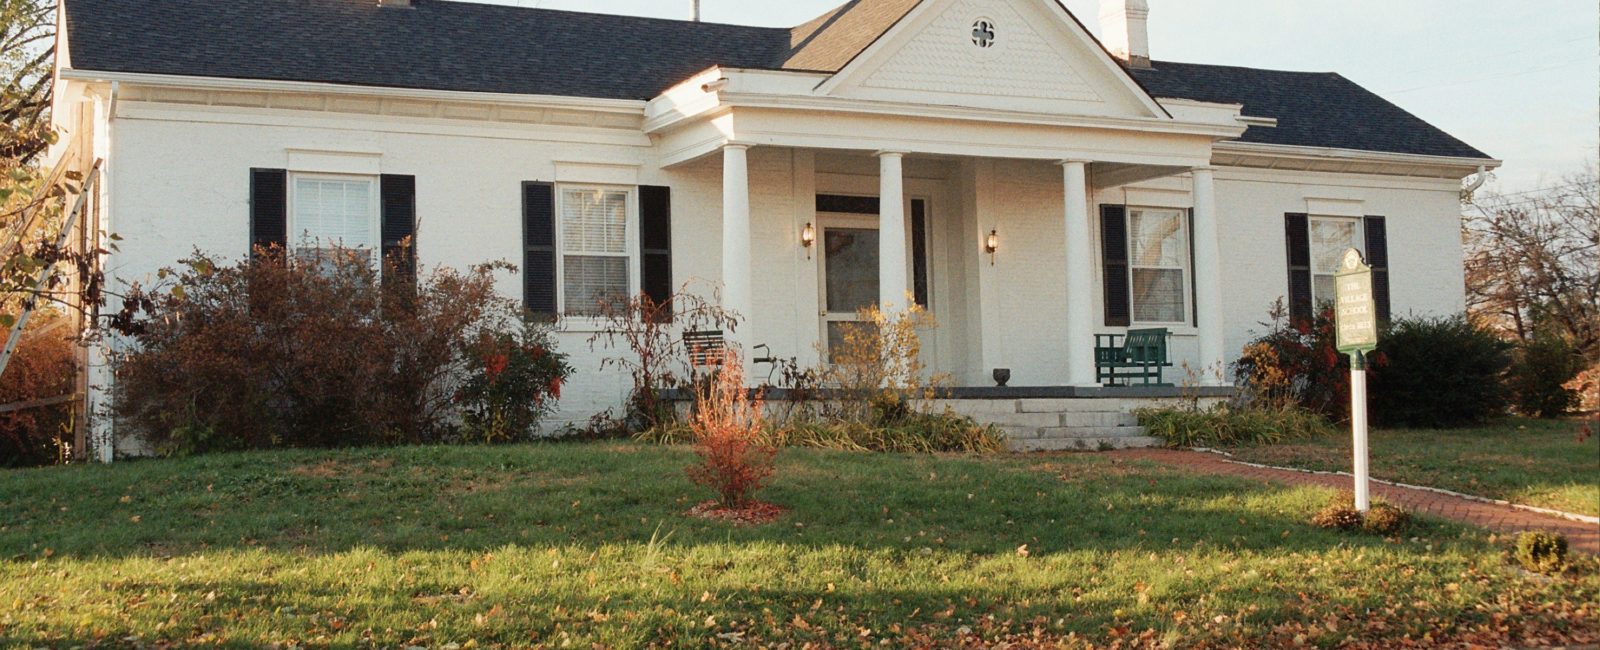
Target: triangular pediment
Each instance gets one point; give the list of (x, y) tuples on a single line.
[(1024, 55)]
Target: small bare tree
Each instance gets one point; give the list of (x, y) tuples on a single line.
[(1533, 261)]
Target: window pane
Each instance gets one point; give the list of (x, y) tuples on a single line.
[(594, 221), (1330, 238), (334, 213), (1155, 239), (850, 256), (1158, 295), (1322, 290), (589, 281)]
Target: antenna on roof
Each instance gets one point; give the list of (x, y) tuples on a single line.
[(694, 10)]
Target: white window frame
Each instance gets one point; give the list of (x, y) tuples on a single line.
[(1187, 267), (374, 208), (631, 242), (1360, 244)]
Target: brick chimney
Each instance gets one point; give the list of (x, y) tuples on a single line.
[(1124, 29)]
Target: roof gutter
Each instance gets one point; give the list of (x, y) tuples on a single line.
[(1355, 155), (628, 106)]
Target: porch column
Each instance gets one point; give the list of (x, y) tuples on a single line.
[(736, 293), (1208, 276), (892, 280), (1080, 275)]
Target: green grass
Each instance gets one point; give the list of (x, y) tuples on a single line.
[(1532, 462), (577, 545)]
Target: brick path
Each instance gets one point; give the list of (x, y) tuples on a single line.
[(1580, 536)]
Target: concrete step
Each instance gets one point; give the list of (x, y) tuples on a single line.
[(1082, 444), (1070, 405), (1070, 419), (1068, 433)]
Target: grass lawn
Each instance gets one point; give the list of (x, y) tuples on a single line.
[(1532, 462), (585, 546)]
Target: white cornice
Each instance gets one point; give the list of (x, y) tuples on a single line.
[(1269, 153), (628, 106), (961, 113)]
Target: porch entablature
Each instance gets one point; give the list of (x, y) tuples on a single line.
[(777, 108)]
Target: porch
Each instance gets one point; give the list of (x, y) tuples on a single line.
[(1010, 224)]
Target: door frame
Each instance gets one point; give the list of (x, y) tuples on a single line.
[(840, 220)]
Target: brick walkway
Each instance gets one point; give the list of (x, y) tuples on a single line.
[(1581, 536)]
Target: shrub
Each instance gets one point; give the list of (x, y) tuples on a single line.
[(1339, 514), (41, 368), (1541, 552), (920, 433), (728, 425), (514, 381), (1540, 372), (1297, 364), (1438, 372), (1386, 520), (655, 358), (1381, 518), (315, 353), (1226, 425), (876, 368)]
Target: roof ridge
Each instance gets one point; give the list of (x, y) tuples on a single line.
[(519, 8)]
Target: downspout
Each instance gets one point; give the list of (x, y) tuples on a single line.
[(98, 421), (1483, 177)]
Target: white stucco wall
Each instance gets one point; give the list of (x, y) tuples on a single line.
[(181, 181)]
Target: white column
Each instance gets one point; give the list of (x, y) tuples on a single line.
[(736, 270), (1081, 285), (892, 280), (1208, 277)]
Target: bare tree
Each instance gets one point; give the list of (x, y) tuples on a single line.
[(27, 52), (1533, 261)]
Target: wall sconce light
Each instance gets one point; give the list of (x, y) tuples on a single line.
[(991, 244), (808, 238)]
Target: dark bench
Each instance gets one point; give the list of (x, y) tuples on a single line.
[(707, 349), (1139, 354)]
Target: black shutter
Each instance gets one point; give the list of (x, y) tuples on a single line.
[(1297, 234), (919, 252), (1194, 276), (1114, 257), (539, 248), (1378, 256), (269, 210), (399, 201), (655, 244)]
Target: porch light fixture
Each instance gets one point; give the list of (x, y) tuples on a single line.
[(808, 238), (991, 244)]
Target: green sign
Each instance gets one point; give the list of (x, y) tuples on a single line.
[(1355, 311)]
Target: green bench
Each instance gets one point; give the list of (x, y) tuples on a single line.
[(1139, 354)]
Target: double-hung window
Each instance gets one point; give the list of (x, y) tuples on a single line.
[(1158, 261), (333, 216), (1330, 238), (598, 241)]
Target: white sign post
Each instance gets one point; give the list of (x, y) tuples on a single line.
[(1356, 323)]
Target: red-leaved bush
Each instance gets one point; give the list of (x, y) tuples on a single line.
[(728, 426), (312, 353), (40, 369)]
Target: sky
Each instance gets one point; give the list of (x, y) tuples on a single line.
[(1518, 79)]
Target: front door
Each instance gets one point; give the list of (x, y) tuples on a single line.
[(849, 274)]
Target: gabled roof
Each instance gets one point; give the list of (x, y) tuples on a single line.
[(475, 47), (437, 45), (1313, 109), (832, 40)]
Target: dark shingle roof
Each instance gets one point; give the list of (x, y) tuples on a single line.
[(832, 40), (436, 45), (469, 46), (1313, 109)]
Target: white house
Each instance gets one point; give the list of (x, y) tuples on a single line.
[(611, 154)]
